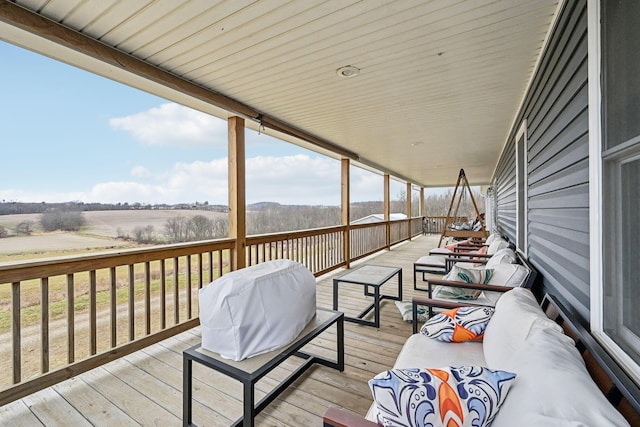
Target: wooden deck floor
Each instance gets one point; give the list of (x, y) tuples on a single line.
[(145, 388)]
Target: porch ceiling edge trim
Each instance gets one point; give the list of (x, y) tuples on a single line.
[(27, 20)]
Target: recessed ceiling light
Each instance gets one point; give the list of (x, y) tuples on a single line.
[(348, 71)]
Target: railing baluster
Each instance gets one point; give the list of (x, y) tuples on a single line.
[(132, 303), (176, 296), (163, 294), (71, 328), (113, 306), (200, 278), (220, 264), (15, 329), (211, 267), (93, 331), (188, 287), (44, 324), (147, 298)]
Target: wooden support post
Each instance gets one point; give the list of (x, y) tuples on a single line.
[(409, 214), (237, 197), (346, 210), (422, 212), (387, 208)]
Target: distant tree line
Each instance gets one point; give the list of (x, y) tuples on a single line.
[(180, 229), (15, 208), (262, 218)]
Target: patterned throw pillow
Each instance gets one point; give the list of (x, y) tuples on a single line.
[(467, 275), (458, 325), (452, 396)]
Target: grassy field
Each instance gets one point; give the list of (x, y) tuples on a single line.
[(98, 235)]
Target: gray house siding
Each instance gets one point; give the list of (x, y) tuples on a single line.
[(506, 191), (556, 112)]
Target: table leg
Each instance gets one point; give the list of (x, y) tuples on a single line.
[(187, 391), (376, 306), (340, 343), (400, 285), (335, 294), (249, 405)]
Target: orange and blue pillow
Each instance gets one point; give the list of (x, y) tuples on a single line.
[(450, 396), (458, 325)]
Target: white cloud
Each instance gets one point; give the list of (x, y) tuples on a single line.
[(175, 125), (297, 179)]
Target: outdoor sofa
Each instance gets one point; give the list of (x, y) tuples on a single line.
[(552, 355)]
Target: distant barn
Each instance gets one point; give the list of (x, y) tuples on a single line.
[(378, 218)]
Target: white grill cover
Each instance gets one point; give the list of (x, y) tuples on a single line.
[(256, 309)]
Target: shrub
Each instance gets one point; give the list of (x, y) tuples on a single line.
[(59, 219), (25, 228), (144, 234), (180, 229)]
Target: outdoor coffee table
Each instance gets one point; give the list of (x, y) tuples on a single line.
[(250, 370), (369, 276)]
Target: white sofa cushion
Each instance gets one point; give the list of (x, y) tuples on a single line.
[(517, 313), (505, 255), (435, 263), (419, 350), (505, 274), (553, 387), (439, 251), (492, 237), (496, 246)]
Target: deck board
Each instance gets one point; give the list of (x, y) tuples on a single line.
[(145, 387)]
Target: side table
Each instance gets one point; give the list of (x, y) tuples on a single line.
[(250, 370)]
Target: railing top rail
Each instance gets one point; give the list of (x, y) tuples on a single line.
[(287, 235), (46, 267)]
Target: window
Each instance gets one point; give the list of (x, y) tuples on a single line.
[(521, 188), (615, 140), (621, 280)]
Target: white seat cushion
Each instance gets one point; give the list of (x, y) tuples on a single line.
[(505, 255), (553, 387), (436, 263), (496, 246), (517, 314), (505, 274), (421, 351), (439, 251)]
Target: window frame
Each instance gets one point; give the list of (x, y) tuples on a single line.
[(597, 212)]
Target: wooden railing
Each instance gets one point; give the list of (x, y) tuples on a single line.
[(67, 315), (320, 250), (367, 239), (71, 314)]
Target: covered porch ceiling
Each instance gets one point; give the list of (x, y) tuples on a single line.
[(439, 84)]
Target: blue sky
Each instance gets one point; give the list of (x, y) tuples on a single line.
[(70, 135)]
